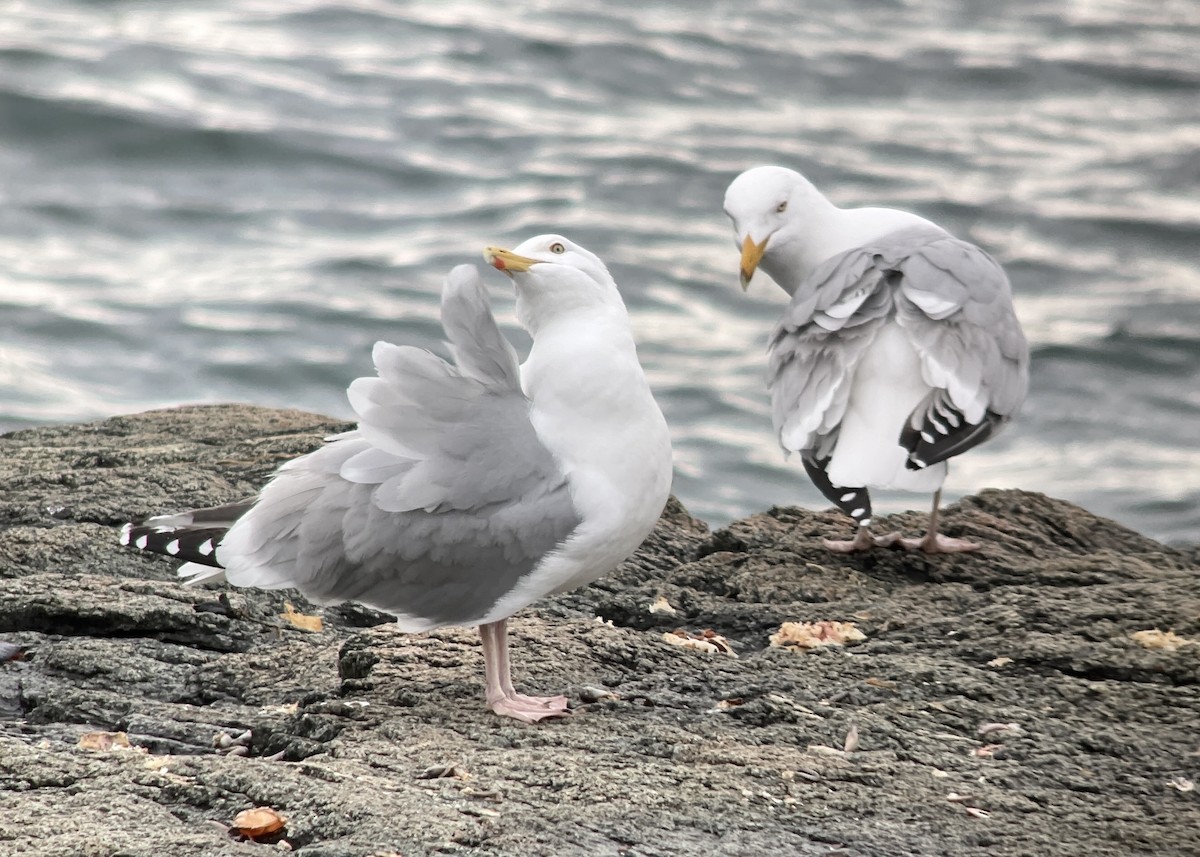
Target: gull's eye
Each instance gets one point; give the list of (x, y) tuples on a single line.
[(557, 248), (782, 207)]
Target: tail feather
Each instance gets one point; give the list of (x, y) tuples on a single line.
[(214, 516), (193, 574), (194, 544), (193, 536)]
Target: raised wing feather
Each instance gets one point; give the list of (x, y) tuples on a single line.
[(436, 505), (955, 303), (480, 349), (815, 347)]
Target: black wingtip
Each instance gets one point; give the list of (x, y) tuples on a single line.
[(192, 544), (853, 501), (942, 432)]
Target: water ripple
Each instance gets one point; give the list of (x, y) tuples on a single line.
[(232, 201)]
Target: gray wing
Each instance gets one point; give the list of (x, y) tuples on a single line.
[(956, 304), (436, 505), (813, 351)]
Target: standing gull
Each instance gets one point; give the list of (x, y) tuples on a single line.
[(899, 349), (467, 491)]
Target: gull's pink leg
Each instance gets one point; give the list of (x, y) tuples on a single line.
[(935, 542), (501, 696), (863, 540)]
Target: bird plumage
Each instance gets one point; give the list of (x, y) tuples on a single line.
[(899, 348), (469, 489)]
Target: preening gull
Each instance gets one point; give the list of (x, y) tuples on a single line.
[(899, 349), (467, 491)]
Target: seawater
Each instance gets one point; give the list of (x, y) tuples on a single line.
[(231, 201)]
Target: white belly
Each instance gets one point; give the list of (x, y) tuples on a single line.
[(887, 386), (606, 431)]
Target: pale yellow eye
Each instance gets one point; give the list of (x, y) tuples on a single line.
[(782, 207), (557, 248)]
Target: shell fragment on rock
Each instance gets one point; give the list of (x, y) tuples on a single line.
[(802, 636), (258, 822), (661, 605), (104, 741), (1165, 641), (703, 641), (300, 620)]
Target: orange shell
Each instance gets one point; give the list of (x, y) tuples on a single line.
[(260, 821)]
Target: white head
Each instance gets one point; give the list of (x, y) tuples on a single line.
[(774, 212), (555, 277)]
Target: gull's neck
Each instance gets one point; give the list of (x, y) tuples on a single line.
[(538, 311), (581, 337)]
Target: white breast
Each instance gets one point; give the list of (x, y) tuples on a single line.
[(598, 418), (887, 386)]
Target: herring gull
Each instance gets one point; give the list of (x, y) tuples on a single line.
[(468, 490), (898, 350)]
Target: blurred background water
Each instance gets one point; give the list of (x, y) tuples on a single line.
[(230, 200)]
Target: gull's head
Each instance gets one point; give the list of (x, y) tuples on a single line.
[(771, 207), (554, 275)]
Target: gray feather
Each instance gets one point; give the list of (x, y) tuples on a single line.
[(480, 350), (812, 355), (437, 505), (952, 299), (212, 516)]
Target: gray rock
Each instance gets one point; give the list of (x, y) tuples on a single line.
[(1004, 682)]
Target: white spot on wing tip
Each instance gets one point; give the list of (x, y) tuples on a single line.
[(173, 547), (858, 513), (142, 541), (846, 498), (126, 531), (206, 547)]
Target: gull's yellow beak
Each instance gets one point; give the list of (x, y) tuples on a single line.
[(507, 261), (751, 255)]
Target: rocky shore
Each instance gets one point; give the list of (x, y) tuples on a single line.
[(1040, 697)]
